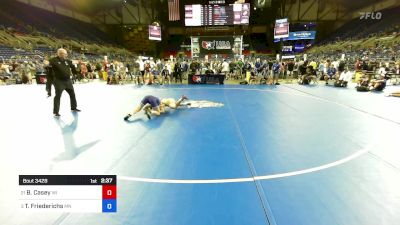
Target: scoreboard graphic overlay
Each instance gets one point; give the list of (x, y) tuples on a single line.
[(68, 193)]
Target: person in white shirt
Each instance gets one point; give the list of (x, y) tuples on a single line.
[(336, 64), (121, 71), (321, 69), (152, 63), (6, 69), (225, 68), (4, 72), (141, 66), (169, 66), (382, 70), (344, 78)]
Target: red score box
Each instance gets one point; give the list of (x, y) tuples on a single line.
[(109, 191)]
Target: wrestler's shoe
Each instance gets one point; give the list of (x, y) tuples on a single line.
[(127, 117), (148, 113)]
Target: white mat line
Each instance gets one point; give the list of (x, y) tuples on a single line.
[(247, 179)]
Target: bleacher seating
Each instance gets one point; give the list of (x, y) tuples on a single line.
[(378, 39), (34, 32), (7, 53), (363, 28), (29, 19)]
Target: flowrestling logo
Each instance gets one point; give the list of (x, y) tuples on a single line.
[(218, 45), (370, 15)]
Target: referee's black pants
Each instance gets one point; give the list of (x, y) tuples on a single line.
[(60, 86), (49, 82)]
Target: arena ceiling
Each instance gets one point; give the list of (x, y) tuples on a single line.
[(117, 11), (356, 4), (88, 7), (91, 6)]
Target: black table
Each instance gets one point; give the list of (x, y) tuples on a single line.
[(206, 79)]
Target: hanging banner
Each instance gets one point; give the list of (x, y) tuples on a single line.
[(195, 47), (238, 45), (216, 45), (299, 35), (281, 29), (154, 33)]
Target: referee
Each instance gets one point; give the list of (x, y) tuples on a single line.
[(61, 68)]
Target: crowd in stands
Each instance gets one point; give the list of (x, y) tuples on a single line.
[(367, 73)]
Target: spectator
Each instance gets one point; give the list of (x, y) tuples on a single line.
[(239, 67), (270, 64), (378, 84), (232, 68), (25, 72), (321, 69), (185, 69), (313, 64), (290, 68), (178, 72), (194, 67), (282, 70), (344, 79), (208, 70), (258, 66), (3, 72), (330, 74), (302, 68), (83, 70), (141, 67), (225, 68), (148, 76), (165, 76), (309, 76), (358, 65), (89, 70), (276, 67), (341, 66)]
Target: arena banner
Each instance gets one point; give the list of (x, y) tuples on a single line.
[(299, 35), (216, 45)]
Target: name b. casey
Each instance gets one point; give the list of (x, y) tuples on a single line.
[(37, 192)]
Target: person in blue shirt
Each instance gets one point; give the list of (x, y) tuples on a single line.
[(276, 67), (321, 69), (258, 65), (330, 74)]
